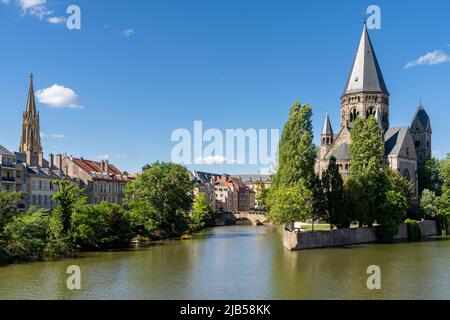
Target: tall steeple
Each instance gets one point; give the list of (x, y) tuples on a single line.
[(422, 133), (365, 91), (327, 131), (31, 136), (31, 104), (365, 75)]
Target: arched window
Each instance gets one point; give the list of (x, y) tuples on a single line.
[(323, 141), (328, 140)]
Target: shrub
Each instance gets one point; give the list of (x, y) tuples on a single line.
[(25, 236), (414, 232)]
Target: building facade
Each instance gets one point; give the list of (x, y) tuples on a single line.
[(366, 95), (103, 181)]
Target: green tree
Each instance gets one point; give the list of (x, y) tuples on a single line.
[(367, 182), (261, 195), (202, 214), (102, 226), (25, 236), (68, 197), (429, 204), (160, 198), (9, 205), (444, 171), (318, 201), (444, 210), (335, 197), (429, 176), (393, 207), (294, 180), (297, 153), (290, 204)]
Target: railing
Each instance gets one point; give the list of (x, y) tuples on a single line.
[(8, 179)]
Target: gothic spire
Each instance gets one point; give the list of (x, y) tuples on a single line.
[(365, 75), (31, 104), (327, 129)]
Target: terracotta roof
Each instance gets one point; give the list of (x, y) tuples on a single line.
[(94, 168)]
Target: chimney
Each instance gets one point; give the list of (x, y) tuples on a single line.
[(41, 160), (58, 163), (105, 166), (28, 160), (51, 160)]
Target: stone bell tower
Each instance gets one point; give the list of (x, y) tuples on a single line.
[(365, 93), (31, 136)]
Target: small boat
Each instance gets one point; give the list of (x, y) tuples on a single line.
[(186, 237)]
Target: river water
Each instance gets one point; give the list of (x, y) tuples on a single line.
[(240, 262)]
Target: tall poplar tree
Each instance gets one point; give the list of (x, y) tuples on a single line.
[(367, 182), (335, 197), (294, 181)]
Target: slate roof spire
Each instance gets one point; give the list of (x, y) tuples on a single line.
[(365, 75), (327, 129), (421, 120)]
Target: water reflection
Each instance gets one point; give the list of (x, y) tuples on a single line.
[(239, 262)]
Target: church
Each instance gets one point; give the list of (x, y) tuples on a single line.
[(366, 94)]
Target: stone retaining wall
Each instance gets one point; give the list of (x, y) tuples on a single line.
[(343, 237)]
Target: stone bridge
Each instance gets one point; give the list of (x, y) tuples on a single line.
[(255, 218)]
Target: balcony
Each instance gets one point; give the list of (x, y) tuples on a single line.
[(8, 179), (8, 165)]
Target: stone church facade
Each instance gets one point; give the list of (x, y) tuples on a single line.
[(365, 95)]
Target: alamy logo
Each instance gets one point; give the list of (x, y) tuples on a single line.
[(235, 146), (74, 280), (374, 281), (73, 22), (373, 17)]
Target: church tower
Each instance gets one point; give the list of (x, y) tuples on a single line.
[(365, 92), (327, 137), (31, 138), (421, 133)]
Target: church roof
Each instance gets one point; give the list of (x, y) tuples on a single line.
[(394, 139), (327, 129), (421, 120), (365, 75), (342, 153)]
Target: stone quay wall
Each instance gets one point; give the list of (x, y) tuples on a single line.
[(344, 237)]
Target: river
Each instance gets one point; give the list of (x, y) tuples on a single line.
[(239, 262)]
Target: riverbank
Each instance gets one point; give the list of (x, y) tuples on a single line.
[(243, 262), (294, 240)]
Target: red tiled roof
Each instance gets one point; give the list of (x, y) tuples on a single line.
[(96, 167)]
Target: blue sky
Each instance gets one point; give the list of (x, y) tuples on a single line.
[(141, 69)]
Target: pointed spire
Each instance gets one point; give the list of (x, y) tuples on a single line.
[(365, 75), (327, 129), (421, 120), (31, 104)]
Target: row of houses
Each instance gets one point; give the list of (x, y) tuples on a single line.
[(28, 171), (36, 177), (227, 193)]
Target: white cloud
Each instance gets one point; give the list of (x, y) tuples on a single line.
[(128, 33), (56, 20), (431, 58), (58, 96), (109, 157), (35, 8), (52, 136)]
